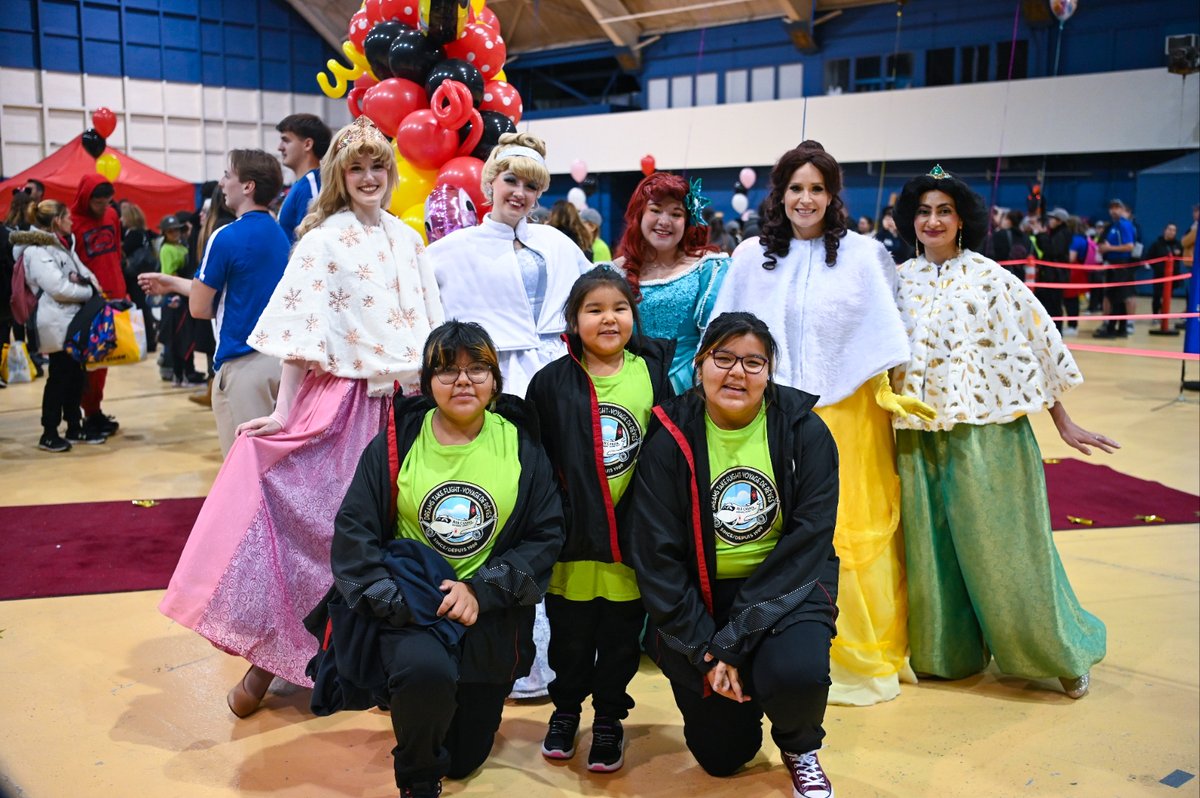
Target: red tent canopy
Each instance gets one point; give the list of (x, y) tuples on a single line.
[(155, 192)]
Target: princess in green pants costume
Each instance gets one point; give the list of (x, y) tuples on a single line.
[(984, 577)]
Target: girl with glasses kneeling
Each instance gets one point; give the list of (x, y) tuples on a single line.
[(734, 504), (441, 550)]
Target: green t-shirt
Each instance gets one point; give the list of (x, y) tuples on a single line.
[(625, 400), (744, 499), (171, 257), (600, 251), (456, 499)]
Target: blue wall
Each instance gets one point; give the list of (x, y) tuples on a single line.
[(245, 44)]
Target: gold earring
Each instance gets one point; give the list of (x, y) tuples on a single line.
[(960, 241)]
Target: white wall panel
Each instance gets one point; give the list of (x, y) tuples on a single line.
[(62, 126), (1043, 116), (63, 90), (214, 102), (100, 91), (242, 136), (275, 105), (186, 135), (214, 137), (145, 96), (241, 104), (183, 99), (185, 163), (20, 125), (20, 87), (146, 133)]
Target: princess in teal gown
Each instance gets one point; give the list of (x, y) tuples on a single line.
[(666, 258)]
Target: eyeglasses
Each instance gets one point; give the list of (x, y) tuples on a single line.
[(476, 373), (751, 364)]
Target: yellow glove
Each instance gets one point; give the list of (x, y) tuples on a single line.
[(898, 404)]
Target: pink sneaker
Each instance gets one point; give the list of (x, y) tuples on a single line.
[(808, 779)]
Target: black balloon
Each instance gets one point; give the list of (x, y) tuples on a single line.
[(589, 185), (495, 125), (378, 43), (442, 20), (93, 142), (455, 69), (412, 56)]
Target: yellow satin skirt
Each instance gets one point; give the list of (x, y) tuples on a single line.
[(869, 657)]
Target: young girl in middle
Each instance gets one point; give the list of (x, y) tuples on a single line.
[(593, 405)]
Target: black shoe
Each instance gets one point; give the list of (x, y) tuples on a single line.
[(105, 425), (50, 442), (1104, 332), (85, 435), (608, 746), (195, 378), (422, 789), (560, 736)]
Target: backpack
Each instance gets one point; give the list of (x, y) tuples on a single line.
[(143, 259), (1092, 256), (24, 301)]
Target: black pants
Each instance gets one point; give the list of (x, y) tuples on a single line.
[(1052, 301), (443, 727), (594, 650), (786, 677), (62, 394), (1117, 294), (1071, 306)]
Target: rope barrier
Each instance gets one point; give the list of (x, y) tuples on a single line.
[(1117, 350), (1091, 286), (1131, 317), (1093, 267)]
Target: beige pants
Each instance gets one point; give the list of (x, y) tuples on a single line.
[(244, 388)]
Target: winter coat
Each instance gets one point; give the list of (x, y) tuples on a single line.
[(48, 266), (565, 399), (673, 544), (499, 647), (98, 241)]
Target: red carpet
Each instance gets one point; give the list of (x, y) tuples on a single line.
[(1109, 498), (95, 547)]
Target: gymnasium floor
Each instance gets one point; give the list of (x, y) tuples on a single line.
[(103, 696)]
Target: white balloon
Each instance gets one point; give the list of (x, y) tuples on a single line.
[(740, 202), (577, 197)]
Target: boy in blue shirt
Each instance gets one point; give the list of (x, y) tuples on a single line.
[(303, 140)]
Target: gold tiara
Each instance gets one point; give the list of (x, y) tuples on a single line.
[(938, 173), (361, 129)]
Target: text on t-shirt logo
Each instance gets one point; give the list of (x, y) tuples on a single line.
[(621, 437), (458, 518), (744, 505)]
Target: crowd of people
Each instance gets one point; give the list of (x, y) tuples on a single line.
[(510, 462)]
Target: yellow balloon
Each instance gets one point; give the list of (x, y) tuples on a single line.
[(500, 76), (414, 217), (108, 165), (477, 5), (412, 187)]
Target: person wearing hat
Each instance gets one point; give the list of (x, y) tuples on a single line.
[(175, 328), (592, 220), (1055, 243)]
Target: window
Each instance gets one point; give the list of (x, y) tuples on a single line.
[(1020, 65), (939, 67), (658, 94), (706, 89), (898, 70), (867, 74), (681, 91), (975, 64), (791, 81), (735, 86), (837, 75), (762, 84)]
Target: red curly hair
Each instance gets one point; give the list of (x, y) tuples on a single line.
[(634, 248)]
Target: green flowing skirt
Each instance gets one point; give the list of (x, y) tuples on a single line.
[(984, 577)]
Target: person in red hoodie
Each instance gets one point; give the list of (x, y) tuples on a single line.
[(98, 244)]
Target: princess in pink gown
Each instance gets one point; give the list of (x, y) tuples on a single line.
[(349, 319)]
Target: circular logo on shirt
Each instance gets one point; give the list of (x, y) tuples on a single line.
[(620, 436), (744, 505), (458, 519)]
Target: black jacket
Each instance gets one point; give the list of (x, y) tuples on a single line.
[(571, 424), (1056, 247), (499, 647), (673, 547)]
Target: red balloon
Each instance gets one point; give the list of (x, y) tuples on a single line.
[(466, 173), (406, 11), (488, 17), (648, 165), (502, 98), (388, 102), (354, 101), (424, 142), (105, 121), (451, 104), (357, 30), (481, 47), (374, 12), (365, 81)]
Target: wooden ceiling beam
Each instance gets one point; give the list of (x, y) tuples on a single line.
[(799, 24), (623, 34)]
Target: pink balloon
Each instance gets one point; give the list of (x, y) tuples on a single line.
[(747, 177), (466, 173), (579, 170), (1063, 9), (448, 208)]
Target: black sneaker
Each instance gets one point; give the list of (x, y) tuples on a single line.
[(422, 789), (608, 746), (105, 425), (808, 777), (85, 435), (560, 736), (50, 442)]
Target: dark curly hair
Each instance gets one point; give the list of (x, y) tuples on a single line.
[(777, 235), (633, 246), (971, 209)]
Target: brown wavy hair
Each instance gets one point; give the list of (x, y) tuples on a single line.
[(777, 234)]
